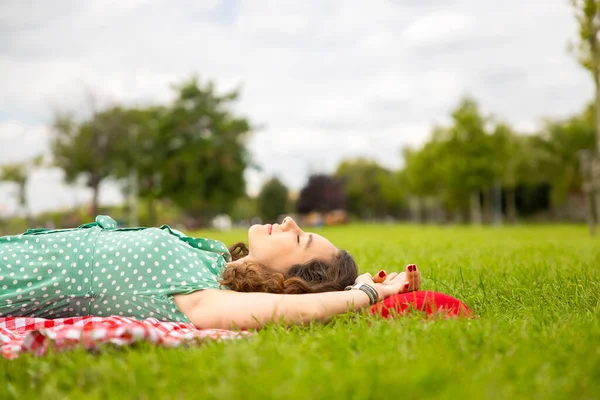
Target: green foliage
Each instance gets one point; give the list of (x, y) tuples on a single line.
[(587, 50), (205, 150), (244, 209), (536, 291), (559, 145), (19, 173), (371, 190), (423, 171), (272, 201), (475, 153), (192, 152), (89, 148), (470, 154), (460, 159)]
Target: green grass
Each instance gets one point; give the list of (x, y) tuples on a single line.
[(536, 290)]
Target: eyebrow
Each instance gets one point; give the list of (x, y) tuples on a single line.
[(310, 237)]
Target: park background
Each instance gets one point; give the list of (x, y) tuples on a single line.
[(436, 112), (442, 113)]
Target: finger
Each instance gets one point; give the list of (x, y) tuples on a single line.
[(390, 277), (365, 278), (414, 277), (387, 290), (380, 277), (399, 278)]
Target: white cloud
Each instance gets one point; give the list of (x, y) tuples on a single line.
[(328, 80), (444, 26), (20, 142)]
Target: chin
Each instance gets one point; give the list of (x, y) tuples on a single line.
[(253, 231)]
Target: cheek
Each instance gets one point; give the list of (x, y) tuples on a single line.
[(272, 252)]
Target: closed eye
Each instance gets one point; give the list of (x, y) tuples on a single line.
[(298, 237)]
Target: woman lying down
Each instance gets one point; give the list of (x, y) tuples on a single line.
[(99, 270)]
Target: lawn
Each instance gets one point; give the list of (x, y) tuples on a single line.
[(535, 288)]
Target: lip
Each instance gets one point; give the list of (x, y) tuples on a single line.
[(269, 228)]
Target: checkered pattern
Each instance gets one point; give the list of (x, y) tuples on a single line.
[(35, 335)]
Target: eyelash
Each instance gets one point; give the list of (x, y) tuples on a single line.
[(298, 238)]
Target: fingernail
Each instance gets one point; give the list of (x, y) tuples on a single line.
[(381, 274), (411, 268)]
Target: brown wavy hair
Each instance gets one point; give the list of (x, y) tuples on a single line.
[(315, 276)]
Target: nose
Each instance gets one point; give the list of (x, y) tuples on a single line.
[(289, 223)]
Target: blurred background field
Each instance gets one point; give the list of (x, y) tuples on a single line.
[(460, 135), (536, 291), (401, 111)]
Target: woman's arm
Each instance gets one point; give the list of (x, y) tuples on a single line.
[(227, 309)]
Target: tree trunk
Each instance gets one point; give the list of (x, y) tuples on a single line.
[(133, 198), (497, 201), (511, 205), (151, 212), (592, 192), (415, 209), (441, 212), (475, 206), (597, 109), (95, 193), (487, 206), (25, 204), (591, 210)]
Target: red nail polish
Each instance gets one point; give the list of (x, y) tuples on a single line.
[(381, 274)]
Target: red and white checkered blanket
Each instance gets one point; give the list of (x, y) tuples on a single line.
[(35, 335)]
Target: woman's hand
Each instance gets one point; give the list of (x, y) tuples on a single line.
[(393, 283), (383, 290)]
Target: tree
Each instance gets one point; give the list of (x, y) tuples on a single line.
[(141, 158), (19, 174), (272, 200), (322, 193), (559, 145), (370, 189), (587, 51), (461, 163), (424, 175), (457, 164), (204, 147), (244, 209), (470, 156), (89, 148)]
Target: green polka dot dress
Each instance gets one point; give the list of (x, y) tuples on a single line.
[(100, 270)]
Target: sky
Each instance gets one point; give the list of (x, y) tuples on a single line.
[(324, 80)]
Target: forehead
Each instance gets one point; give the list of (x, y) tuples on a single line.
[(321, 245)]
